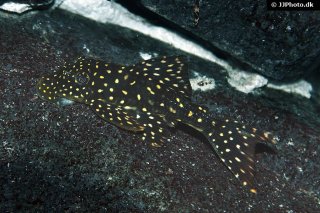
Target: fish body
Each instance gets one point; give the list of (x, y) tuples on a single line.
[(149, 97)]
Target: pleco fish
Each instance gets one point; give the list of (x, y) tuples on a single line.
[(149, 97)]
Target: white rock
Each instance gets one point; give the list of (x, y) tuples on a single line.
[(15, 7), (301, 87), (244, 81), (202, 83)]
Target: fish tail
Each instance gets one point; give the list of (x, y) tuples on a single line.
[(235, 144)]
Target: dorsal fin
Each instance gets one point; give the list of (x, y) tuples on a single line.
[(172, 72)]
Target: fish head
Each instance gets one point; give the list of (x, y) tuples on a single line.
[(70, 82)]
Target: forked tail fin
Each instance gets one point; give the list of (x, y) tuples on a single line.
[(235, 144)]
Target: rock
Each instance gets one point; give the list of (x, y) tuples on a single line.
[(18, 6), (67, 159), (281, 45)]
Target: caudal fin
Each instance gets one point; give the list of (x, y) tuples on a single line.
[(235, 144)]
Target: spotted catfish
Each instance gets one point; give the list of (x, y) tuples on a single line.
[(149, 97)]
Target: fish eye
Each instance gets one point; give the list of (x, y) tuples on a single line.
[(81, 79)]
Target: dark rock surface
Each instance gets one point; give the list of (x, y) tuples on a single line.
[(282, 45), (56, 159)]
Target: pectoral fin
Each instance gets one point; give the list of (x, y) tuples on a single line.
[(156, 131), (117, 115)]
